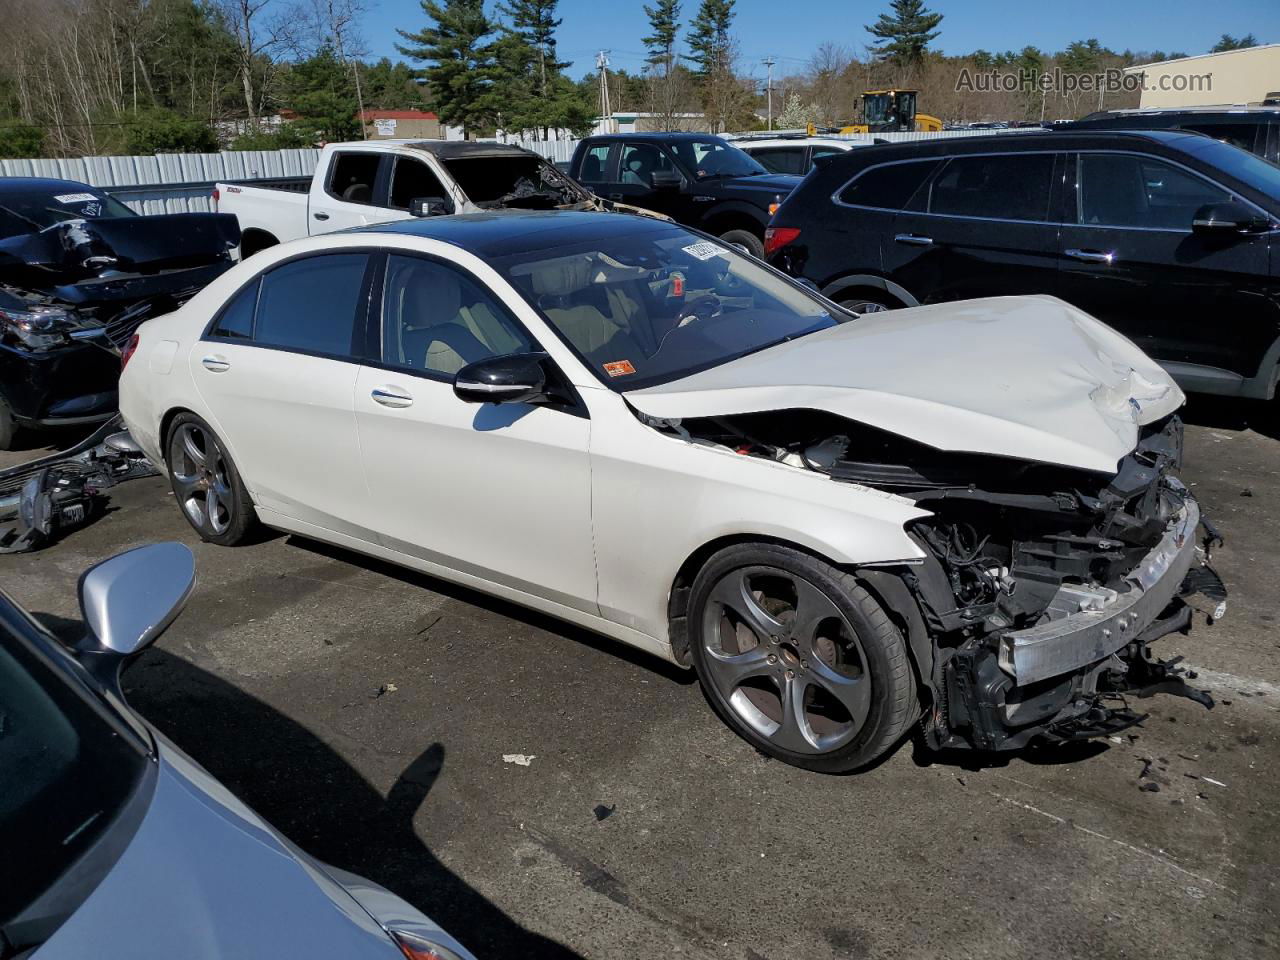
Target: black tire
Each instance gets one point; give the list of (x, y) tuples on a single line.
[(851, 679), (8, 426), (868, 302), (745, 240), (206, 483)]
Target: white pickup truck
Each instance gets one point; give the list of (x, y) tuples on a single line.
[(377, 181)]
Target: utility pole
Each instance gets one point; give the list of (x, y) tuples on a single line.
[(606, 111), (769, 62)]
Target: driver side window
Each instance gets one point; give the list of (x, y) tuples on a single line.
[(639, 161), (436, 319), (411, 180)]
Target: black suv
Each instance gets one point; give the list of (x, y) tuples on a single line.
[(1172, 238), (1256, 129), (694, 178)]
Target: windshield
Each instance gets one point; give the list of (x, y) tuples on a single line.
[(1248, 168), (524, 182), (65, 772), (659, 303), (715, 158), (30, 212)]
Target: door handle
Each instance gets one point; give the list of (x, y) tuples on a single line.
[(914, 239), (215, 364), (391, 398), (320, 216), (1091, 256), (615, 196)]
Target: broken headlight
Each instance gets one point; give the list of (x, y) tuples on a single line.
[(42, 328)]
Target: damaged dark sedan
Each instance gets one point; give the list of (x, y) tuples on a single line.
[(79, 271)]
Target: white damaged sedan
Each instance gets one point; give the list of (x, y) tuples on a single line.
[(962, 517)]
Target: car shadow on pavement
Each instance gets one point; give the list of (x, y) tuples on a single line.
[(1232, 413), (504, 608), (315, 798), (1036, 754)]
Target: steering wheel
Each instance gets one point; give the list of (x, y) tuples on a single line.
[(703, 308)]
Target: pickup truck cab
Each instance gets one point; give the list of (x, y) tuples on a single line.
[(366, 182), (694, 178)]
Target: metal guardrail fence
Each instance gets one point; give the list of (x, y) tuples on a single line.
[(169, 182), (181, 182)]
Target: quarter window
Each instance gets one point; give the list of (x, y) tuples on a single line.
[(437, 319), (1124, 190), (311, 304), (890, 187), (353, 177), (236, 320), (1010, 187)]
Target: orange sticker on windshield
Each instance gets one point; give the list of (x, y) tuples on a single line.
[(619, 368)]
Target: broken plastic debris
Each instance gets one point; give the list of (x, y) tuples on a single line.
[(1216, 783), (387, 688), (602, 812), (519, 759)]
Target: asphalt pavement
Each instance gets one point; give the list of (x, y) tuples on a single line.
[(366, 711)]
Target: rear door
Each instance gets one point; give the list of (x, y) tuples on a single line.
[(277, 372), (1130, 258), (981, 228), (351, 192)]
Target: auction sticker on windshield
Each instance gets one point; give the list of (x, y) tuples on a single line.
[(703, 250), (619, 368), (75, 198)]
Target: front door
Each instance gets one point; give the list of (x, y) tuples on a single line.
[(1131, 259), (499, 492), (634, 184), (982, 228), (277, 371)]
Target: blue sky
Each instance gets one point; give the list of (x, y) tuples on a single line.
[(790, 29)]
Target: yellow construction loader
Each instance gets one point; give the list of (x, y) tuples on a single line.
[(892, 111)]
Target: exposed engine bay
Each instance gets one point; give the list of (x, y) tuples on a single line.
[(1042, 587)]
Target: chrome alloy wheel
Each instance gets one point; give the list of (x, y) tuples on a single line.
[(198, 467), (785, 660)]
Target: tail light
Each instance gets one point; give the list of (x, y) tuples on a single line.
[(775, 238), (215, 197), (128, 350)]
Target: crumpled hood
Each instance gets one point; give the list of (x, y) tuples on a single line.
[(1026, 377), (204, 878)]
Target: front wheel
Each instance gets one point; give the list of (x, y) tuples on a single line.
[(868, 303), (746, 241), (206, 483), (798, 659)]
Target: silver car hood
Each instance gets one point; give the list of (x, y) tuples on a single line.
[(1026, 377), (204, 877)]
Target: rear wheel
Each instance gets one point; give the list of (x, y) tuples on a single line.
[(746, 241), (798, 659), (206, 483)]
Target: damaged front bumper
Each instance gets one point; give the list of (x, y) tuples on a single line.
[(1105, 620)]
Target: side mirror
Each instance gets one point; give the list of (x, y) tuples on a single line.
[(1222, 219), (514, 378), (428, 206), (129, 600), (666, 180)]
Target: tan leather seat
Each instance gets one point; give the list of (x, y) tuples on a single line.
[(557, 285)]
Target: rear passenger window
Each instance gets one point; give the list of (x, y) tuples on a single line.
[(1010, 187), (311, 304), (1242, 135), (353, 177), (595, 164), (780, 159), (236, 320), (891, 186)]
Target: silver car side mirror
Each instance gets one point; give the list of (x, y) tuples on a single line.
[(130, 599)]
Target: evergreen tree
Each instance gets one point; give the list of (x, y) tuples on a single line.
[(905, 33), (319, 90), (534, 23), (1228, 42), (460, 61), (709, 37), (664, 21)]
